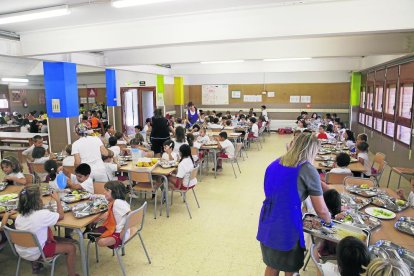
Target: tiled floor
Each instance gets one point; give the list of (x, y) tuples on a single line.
[(219, 240)]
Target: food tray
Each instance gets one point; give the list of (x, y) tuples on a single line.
[(52, 206), (211, 143), (71, 197), (7, 197), (388, 250), (327, 164), (390, 203), (406, 225), (85, 209), (353, 160), (353, 201), (324, 151), (313, 226), (168, 164), (361, 220), (368, 192), (323, 158), (3, 186), (46, 190)]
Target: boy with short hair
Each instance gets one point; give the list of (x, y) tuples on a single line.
[(362, 154), (69, 160), (226, 147), (342, 162), (113, 141), (322, 132), (37, 142), (81, 180), (254, 133)]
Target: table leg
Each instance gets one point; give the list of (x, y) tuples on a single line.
[(82, 252), (215, 163)]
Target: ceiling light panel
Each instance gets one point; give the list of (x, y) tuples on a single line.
[(34, 14)]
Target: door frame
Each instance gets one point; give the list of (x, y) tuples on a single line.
[(140, 89)]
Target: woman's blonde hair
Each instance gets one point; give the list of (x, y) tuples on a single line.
[(387, 267), (304, 148)]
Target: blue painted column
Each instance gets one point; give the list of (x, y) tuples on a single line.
[(62, 102), (113, 110)]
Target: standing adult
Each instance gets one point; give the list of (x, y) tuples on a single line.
[(89, 150), (160, 131), (192, 114), (288, 181)]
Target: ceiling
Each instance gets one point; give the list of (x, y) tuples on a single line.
[(339, 35)]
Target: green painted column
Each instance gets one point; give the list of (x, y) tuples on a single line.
[(355, 89)]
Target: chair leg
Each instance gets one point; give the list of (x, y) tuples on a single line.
[(389, 178), (143, 246), (195, 197), (186, 205), (52, 272), (237, 162), (307, 260), (18, 266), (232, 165), (121, 264), (97, 252), (155, 205), (123, 251)]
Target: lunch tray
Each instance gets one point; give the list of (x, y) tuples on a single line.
[(353, 201), (94, 207), (389, 203), (406, 225), (370, 192), (3, 186), (324, 158), (361, 220), (52, 206), (386, 250), (70, 198), (328, 164), (332, 234)]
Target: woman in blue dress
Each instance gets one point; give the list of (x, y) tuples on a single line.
[(288, 181), (192, 114)]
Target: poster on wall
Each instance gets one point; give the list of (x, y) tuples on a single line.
[(92, 92), (305, 99), (83, 100), (91, 100), (42, 99), (160, 99), (16, 96), (252, 98), (270, 94), (294, 99), (235, 94), (214, 94)]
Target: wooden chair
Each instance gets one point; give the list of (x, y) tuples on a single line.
[(336, 178), (98, 188), (38, 170), (183, 191), (400, 171), (234, 159), (358, 181), (313, 251), (378, 165), (69, 169), (28, 239), (141, 182), (134, 223), (29, 178)]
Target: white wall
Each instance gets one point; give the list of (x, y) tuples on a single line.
[(260, 78), (132, 79)]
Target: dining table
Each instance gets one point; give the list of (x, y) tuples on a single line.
[(22, 136), (387, 230), (213, 149)]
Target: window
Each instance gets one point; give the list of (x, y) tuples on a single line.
[(389, 128), (4, 104), (378, 98), (362, 95), (405, 102), (389, 109), (361, 118)]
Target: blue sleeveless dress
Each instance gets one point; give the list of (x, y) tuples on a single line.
[(192, 118)]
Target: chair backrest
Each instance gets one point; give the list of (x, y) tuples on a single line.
[(29, 178), (238, 149), (194, 151), (37, 168), (23, 239), (134, 223), (140, 177), (358, 181), (69, 169), (379, 162), (313, 251), (336, 178), (194, 173), (99, 188), (122, 147)]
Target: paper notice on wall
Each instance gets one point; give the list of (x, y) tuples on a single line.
[(235, 94), (270, 94), (91, 100), (56, 105), (294, 99), (160, 99), (83, 100), (252, 98), (305, 99)]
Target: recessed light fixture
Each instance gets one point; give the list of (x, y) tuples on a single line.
[(34, 14), (222, 61), (286, 59), (15, 80), (130, 3)]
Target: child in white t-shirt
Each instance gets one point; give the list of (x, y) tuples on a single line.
[(179, 138), (362, 154), (112, 141), (37, 142), (169, 154), (13, 171), (39, 157), (203, 137), (226, 147), (115, 217), (81, 180), (69, 160), (110, 167), (33, 218), (254, 133), (410, 198), (342, 162), (182, 179)]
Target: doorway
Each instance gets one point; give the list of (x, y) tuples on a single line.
[(138, 103)]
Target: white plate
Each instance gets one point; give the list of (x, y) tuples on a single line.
[(376, 212)]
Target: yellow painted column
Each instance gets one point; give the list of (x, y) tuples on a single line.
[(355, 88), (178, 91), (160, 90)]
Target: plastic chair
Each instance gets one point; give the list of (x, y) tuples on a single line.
[(378, 165), (143, 184), (183, 191), (37, 170), (234, 159), (29, 178), (358, 181), (134, 223), (336, 178), (28, 239), (313, 251), (69, 169), (200, 161)]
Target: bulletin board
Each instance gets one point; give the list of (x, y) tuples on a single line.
[(215, 94)]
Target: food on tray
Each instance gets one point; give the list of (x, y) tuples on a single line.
[(312, 223), (364, 186), (96, 206), (7, 197), (2, 209), (377, 201), (380, 213), (146, 162), (342, 233), (390, 203), (400, 202)]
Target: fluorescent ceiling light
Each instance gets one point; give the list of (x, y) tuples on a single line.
[(130, 3), (14, 80), (286, 59), (222, 61), (34, 14)]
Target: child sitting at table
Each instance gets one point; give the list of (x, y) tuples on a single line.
[(57, 178), (228, 125), (193, 144), (226, 147), (349, 139), (362, 155), (254, 133), (410, 198), (111, 168), (195, 130), (362, 137), (110, 131), (115, 217), (39, 155), (179, 138), (33, 218), (113, 141), (322, 132), (389, 266), (203, 137), (169, 154), (81, 180), (37, 142), (342, 162), (182, 179), (13, 171), (69, 160), (137, 143), (121, 138)]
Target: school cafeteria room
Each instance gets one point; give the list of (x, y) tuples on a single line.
[(194, 137)]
